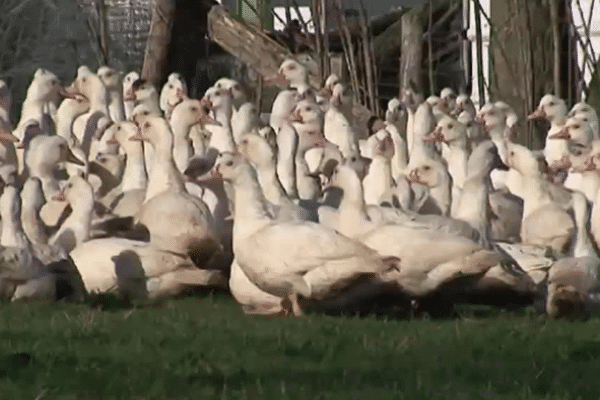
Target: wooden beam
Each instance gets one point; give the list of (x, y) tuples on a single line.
[(251, 46), (155, 65)]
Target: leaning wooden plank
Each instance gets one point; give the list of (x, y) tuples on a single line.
[(254, 48), (258, 51)]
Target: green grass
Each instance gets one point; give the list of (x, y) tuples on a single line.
[(205, 348)]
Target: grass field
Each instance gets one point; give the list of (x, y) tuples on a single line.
[(205, 348)]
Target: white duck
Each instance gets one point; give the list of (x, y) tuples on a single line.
[(554, 110), (338, 125), (584, 110), (51, 274), (572, 279), (127, 198), (143, 92), (259, 152), (379, 178), (294, 74), (164, 176), (44, 164), (172, 93), (76, 228), (94, 91), (67, 112), (318, 263), (431, 171), (220, 101), (545, 222), (185, 115), (112, 80), (32, 201), (44, 88), (465, 104), (127, 85)]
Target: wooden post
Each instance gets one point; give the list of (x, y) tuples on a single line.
[(412, 50), (102, 16), (479, 55), (557, 48), (154, 68)]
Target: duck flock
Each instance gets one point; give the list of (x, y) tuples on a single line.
[(110, 185)]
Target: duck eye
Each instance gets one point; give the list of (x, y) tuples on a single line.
[(576, 126), (70, 185), (84, 80), (353, 159), (147, 125), (426, 168), (551, 103), (119, 127), (450, 126), (170, 86), (229, 163), (146, 113), (194, 109)]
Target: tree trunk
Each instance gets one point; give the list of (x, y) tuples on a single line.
[(521, 60), (155, 67)]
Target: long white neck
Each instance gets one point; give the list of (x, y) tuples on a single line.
[(116, 107), (353, 219), (379, 179), (309, 187), (534, 194), (442, 194), (32, 224), (135, 175), (223, 115), (270, 184), (221, 138), (287, 143), (250, 210), (473, 206), (164, 175), (457, 165), (583, 243), (400, 157), (12, 230), (99, 102), (64, 124), (182, 145)]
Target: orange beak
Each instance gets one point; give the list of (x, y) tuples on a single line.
[(7, 136), (537, 114), (70, 92), (180, 94), (480, 119), (213, 176), (278, 79), (208, 120), (206, 103), (413, 176), (138, 137), (60, 196), (100, 132), (129, 95), (296, 117), (563, 134), (113, 140), (435, 137)]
